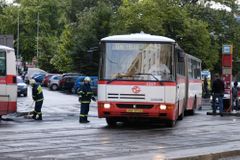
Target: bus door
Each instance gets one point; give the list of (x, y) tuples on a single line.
[(4, 98)]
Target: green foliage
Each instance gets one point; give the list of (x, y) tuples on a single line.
[(92, 25), (140, 16), (70, 30), (62, 60)]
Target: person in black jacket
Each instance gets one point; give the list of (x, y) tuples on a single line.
[(85, 97), (235, 90), (218, 93), (37, 95)]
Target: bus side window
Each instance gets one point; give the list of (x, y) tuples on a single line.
[(2, 63), (180, 62)]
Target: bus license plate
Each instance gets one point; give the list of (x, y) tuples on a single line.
[(134, 110)]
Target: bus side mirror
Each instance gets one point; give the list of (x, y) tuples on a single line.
[(180, 55)]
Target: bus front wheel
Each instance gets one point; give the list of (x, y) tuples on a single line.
[(111, 121), (192, 112), (171, 123)]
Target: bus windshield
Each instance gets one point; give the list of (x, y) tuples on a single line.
[(137, 61), (2, 63)]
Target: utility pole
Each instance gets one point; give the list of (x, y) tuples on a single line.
[(37, 31), (18, 36)]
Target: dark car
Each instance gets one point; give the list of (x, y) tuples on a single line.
[(79, 83), (22, 88), (61, 81), (71, 74), (68, 83)]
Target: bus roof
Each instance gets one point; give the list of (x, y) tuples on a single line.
[(138, 37), (6, 48), (195, 58)]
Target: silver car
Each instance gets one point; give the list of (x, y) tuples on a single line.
[(53, 83)]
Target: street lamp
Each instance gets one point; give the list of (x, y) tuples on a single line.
[(18, 28)]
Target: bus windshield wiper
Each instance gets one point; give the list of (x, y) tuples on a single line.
[(115, 79), (148, 74), (119, 76)]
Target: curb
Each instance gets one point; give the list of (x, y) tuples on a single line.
[(212, 156)]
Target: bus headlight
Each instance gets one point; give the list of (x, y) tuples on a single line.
[(106, 105), (163, 107)]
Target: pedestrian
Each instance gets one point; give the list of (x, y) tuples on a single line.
[(37, 95), (218, 93), (85, 97), (235, 90), (205, 87)]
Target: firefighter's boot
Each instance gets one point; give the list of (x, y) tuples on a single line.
[(81, 119), (39, 116), (34, 114)]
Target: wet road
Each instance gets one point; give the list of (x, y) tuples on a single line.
[(60, 136)]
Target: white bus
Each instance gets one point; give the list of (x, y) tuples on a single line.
[(145, 76), (8, 86)]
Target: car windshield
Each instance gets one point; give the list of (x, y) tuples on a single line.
[(137, 61)]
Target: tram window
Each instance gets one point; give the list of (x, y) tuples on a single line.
[(2, 63)]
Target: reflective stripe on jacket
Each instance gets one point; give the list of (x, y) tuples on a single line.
[(85, 93), (37, 93)]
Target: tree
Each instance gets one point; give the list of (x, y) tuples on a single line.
[(168, 19), (62, 60), (91, 26), (222, 27)]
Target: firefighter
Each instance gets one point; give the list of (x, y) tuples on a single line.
[(85, 96), (37, 95)]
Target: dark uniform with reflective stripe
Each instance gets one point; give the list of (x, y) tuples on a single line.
[(85, 96), (37, 95)]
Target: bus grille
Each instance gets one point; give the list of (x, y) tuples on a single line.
[(138, 106), (134, 114), (126, 96)]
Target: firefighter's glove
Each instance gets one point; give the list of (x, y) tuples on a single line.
[(94, 99), (80, 98)]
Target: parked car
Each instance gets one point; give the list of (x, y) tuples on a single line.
[(79, 82), (72, 74), (39, 77), (31, 72), (94, 84), (67, 74), (53, 83), (22, 88), (68, 83), (46, 79)]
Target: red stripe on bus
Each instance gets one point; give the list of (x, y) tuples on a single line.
[(9, 79), (138, 83), (181, 79), (7, 107), (195, 81)]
